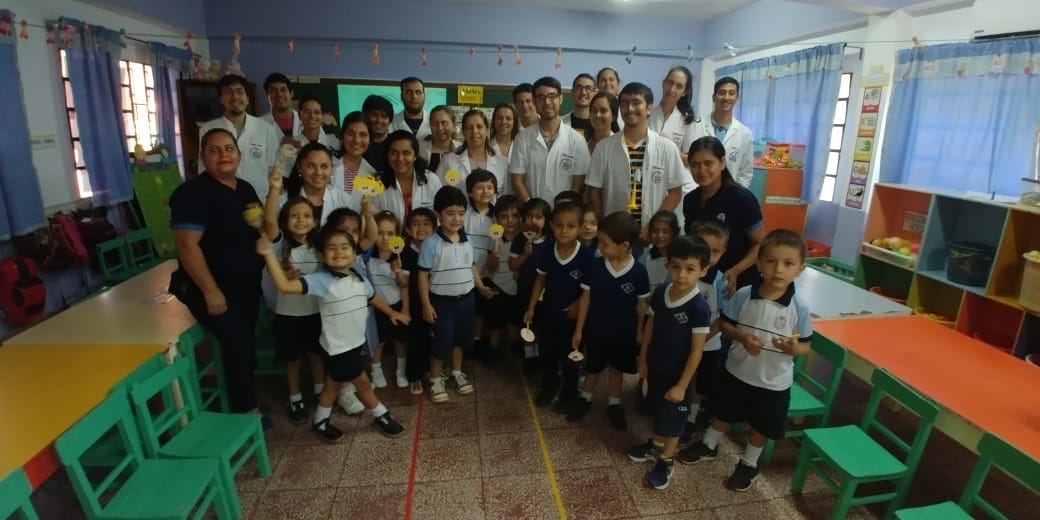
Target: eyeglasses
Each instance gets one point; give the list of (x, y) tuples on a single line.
[(585, 88), (552, 96)]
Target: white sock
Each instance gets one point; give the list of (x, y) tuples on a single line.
[(318, 388), (379, 410), (348, 387), (695, 408), (711, 438), (751, 454), (613, 400), (402, 364), (586, 396), (455, 372), (528, 351), (295, 398), (321, 413), (376, 367)]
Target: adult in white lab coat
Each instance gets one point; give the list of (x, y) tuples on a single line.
[(414, 117), (352, 163), (476, 152), (440, 142), (673, 117), (550, 157), (279, 96), (504, 128), (258, 141), (310, 178), (640, 157), (406, 182), (735, 137), (311, 118), (582, 89), (523, 100)]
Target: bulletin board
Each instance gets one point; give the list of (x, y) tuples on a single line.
[(153, 185)]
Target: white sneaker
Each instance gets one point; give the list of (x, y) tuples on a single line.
[(378, 379), (402, 380), (348, 401), (437, 392), (462, 384)]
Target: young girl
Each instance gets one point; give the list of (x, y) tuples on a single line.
[(524, 253), (441, 141), (384, 268), (560, 273), (589, 228), (664, 228), (343, 297)]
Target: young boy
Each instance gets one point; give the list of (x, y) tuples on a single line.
[(447, 277), (344, 299), (502, 314), (769, 325), (671, 350), (481, 185), (420, 225), (613, 300)]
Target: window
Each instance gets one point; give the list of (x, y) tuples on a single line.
[(841, 111), (139, 114)]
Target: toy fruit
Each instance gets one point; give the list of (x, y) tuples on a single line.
[(876, 242), (1033, 255), (903, 251)]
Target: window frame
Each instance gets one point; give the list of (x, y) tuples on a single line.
[(834, 154)]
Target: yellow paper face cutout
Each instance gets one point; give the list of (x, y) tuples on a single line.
[(396, 244), (368, 185), (496, 231), (452, 177), (253, 215)]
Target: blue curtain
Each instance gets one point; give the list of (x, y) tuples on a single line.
[(93, 60), (167, 64), (21, 206), (791, 98), (963, 116)]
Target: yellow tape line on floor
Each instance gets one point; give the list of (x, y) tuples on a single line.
[(553, 485)]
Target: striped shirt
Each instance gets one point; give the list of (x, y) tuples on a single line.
[(449, 263), (383, 278), (636, 153)]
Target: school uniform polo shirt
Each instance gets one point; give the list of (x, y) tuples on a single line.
[(737, 208), (772, 369), (229, 245), (656, 267), (478, 231), (528, 271), (503, 276), (304, 259), (613, 298), (713, 288), (563, 278), (675, 323), (383, 278), (450, 264), (343, 300)]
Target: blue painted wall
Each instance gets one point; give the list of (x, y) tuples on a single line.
[(188, 15)]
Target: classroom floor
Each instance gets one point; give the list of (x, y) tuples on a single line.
[(481, 457)]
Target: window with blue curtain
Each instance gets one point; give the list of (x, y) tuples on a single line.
[(791, 98), (963, 116), (21, 205), (167, 64)]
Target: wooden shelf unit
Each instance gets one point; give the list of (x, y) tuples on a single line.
[(989, 312)]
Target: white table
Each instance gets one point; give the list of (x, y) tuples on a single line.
[(830, 298)]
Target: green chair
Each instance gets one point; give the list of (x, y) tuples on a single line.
[(993, 451), (851, 454), (140, 250), (208, 394), (15, 491), (811, 397), (113, 261), (266, 363), (137, 487), (191, 433)]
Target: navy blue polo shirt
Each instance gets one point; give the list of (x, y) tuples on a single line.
[(563, 278), (228, 243), (526, 275), (675, 323), (613, 298), (737, 208)]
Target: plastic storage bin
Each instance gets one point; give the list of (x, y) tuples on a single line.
[(968, 263), (832, 267), (817, 249), (1029, 294), (1030, 192)]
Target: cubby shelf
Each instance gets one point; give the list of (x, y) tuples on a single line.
[(990, 312)]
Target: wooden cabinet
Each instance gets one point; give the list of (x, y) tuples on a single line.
[(779, 192)]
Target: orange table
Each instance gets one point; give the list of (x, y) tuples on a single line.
[(979, 388), (45, 389)]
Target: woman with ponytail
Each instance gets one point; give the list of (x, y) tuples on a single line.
[(673, 117)]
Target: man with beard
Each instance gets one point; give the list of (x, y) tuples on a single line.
[(413, 117), (583, 88), (523, 101), (258, 140), (279, 96)]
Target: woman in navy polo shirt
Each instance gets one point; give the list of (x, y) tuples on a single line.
[(719, 197), (219, 274)]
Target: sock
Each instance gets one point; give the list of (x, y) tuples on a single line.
[(658, 444), (402, 363), (318, 387), (295, 398), (751, 454), (528, 351), (586, 396), (376, 367), (611, 401), (666, 460), (455, 372), (695, 408), (711, 438), (379, 411), (349, 387), (322, 413)]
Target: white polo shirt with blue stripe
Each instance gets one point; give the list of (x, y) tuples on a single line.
[(344, 307), (771, 369), (450, 264), (478, 232), (713, 288)]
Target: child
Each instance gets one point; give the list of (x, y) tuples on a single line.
[(613, 301), (671, 350), (447, 277), (561, 270), (567, 196), (388, 278), (664, 227), (343, 297), (482, 186), (769, 325), (502, 313), (589, 227), (524, 253), (420, 225)]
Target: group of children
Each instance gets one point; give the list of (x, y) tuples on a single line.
[(581, 284)]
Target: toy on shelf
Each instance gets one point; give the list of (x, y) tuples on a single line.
[(899, 251)]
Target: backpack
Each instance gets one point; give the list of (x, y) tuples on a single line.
[(56, 246), (22, 292)]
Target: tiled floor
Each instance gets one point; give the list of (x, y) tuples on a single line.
[(480, 457)]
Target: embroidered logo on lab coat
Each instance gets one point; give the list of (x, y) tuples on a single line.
[(733, 155), (657, 174), (256, 151), (566, 161)]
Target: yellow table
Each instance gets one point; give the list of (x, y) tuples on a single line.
[(138, 311), (45, 389)]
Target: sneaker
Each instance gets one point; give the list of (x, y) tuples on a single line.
[(437, 392), (616, 415), (388, 426), (402, 381), (697, 453), (742, 478), (378, 379), (578, 409), (645, 452), (415, 388), (348, 401), (544, 399), (530, 366), (462, 385), (661, 474), (327, 431), (298, 412)]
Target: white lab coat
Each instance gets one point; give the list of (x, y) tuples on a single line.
[(496, 164), (426, 148), (548, 172), (498, 150), (258, 144), (331, 200), (738, 144), (672, 128), (399, 123), (662, 170), (338, 173), (422, 196), (297, 125)]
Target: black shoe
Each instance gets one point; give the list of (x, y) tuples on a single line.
[(327, 431), (544, 399), (742, 478), (578, 409), (530, 366), (563, 405), (645, 452), (298, 412), (697, 453), (661, 474), (388, 426), (616, 414), (689, 432)]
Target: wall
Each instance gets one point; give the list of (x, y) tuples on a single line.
[(179, 16)]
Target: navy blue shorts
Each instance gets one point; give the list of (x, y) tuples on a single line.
[(763, 409), (621, 355), (295, 336), (454, 326), (346, 366), (708, 373), (387, 330), (670, 418)]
